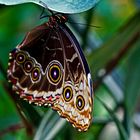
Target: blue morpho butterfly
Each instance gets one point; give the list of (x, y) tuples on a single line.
[(49, 68)]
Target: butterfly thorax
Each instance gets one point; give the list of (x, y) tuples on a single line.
[(54, 20)]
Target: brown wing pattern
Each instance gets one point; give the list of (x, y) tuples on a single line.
[(75, 103), (36, 66), (48, 68)]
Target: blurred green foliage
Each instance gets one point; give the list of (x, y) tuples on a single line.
[(113, 53)]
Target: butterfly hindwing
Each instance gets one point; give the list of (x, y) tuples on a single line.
[(75, 103)]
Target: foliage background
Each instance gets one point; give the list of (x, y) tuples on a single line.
[(113, 53)]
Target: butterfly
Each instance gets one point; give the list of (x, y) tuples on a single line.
[(49, 68)]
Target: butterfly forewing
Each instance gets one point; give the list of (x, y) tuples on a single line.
[(39, 76)]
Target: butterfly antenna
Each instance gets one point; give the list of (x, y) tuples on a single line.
[(84, 24)]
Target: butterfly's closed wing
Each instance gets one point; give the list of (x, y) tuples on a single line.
[(36, 66), (49, 67), (75, 103)]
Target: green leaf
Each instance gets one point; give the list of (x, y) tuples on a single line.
[(63, 6), (114, 49), (132, 86), (50, 125), (122, 132)]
